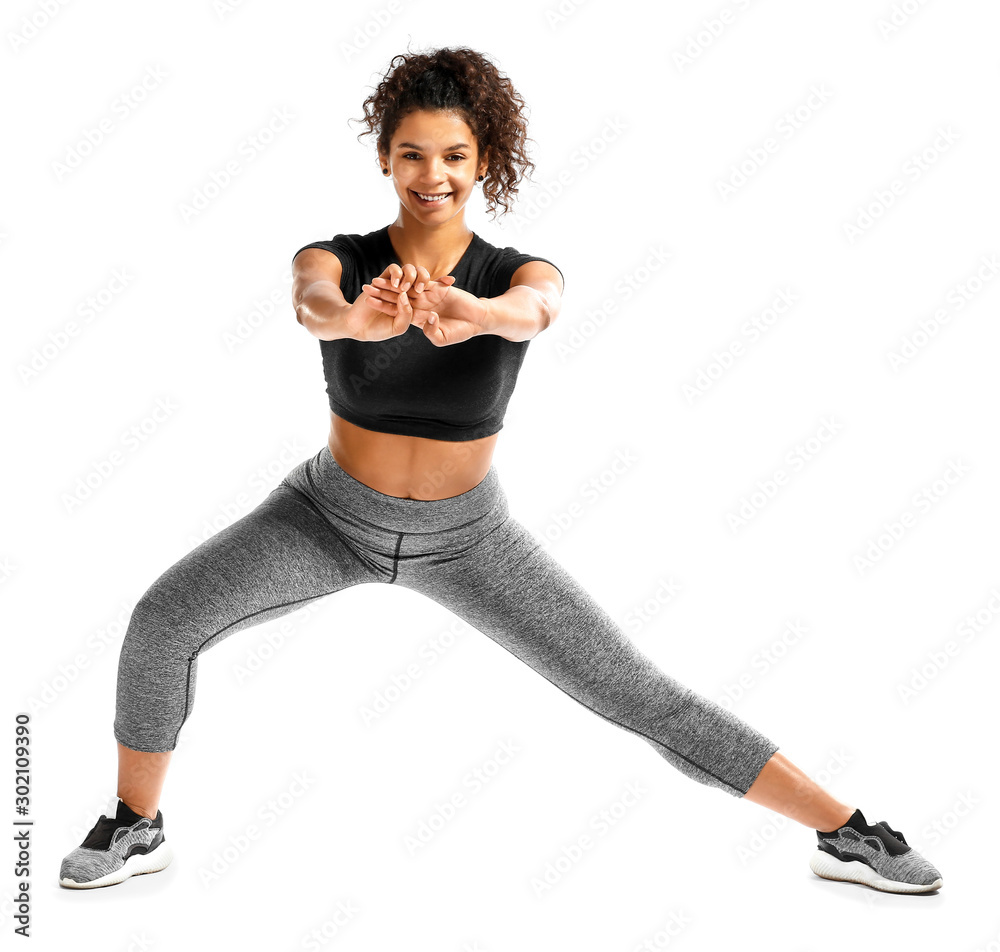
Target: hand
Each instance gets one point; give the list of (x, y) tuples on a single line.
[(445, 318), (381, 314), (425, 296)]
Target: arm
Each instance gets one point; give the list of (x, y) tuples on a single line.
[(321, 308), (528, 307), (522, 312), (316, 295)]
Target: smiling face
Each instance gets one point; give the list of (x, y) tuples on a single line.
[(433, 154)]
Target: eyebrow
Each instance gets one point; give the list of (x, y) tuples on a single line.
[(451, 148)]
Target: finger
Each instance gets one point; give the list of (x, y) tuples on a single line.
[(434, 334), (395, 273), (422, 277), (409, 273), (376, 305), (373, 294)]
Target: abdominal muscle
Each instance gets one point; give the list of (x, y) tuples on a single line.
[(411, 467)]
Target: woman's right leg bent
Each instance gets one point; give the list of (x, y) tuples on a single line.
[(279, 556)]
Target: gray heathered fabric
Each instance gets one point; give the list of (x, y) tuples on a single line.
[(321, 531), (909, 867), (84, 865)]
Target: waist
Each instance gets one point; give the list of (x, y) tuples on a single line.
[(409, 467), (334, 489)]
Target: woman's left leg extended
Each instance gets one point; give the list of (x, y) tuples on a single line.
[(508, 586)]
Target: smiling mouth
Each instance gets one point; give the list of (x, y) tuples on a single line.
[(428, 197)]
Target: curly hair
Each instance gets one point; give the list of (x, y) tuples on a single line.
[(460, 80)]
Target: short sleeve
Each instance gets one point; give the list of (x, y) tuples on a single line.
[(511, 261), (342, 249)]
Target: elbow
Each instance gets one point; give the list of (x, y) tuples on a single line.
[(549, 311)]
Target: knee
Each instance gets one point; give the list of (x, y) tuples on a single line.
[(157, 621)]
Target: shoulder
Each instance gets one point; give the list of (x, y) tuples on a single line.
[(509, 265)]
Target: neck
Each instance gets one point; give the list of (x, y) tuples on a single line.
[(438, 248)]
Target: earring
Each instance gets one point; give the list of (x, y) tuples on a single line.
[(481, 177), (385, 171)]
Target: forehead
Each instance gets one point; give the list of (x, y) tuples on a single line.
[(438, 128)]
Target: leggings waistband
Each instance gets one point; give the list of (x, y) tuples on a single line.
[(328, 480)]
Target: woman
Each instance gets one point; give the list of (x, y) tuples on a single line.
[(423, 327)]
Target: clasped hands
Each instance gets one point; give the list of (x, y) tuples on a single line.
[(407, 295)]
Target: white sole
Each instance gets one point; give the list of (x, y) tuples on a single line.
[(135, 865), (853, 871)]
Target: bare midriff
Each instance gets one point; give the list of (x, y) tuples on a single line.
[(411, 467)]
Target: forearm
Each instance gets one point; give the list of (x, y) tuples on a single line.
[(322, 314), (519, 314)]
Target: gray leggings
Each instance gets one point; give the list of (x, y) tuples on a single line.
[(321, 530)]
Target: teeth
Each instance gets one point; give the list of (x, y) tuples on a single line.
[(434, 198)]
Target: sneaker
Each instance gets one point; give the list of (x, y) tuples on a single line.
[(121, 844), (876, 856)]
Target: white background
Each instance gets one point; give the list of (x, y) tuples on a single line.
[(641, 141)]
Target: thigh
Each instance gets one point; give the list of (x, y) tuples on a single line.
[(269, 562), (512, 589)]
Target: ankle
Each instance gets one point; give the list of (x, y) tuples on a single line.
[(838, 820), (137, 808)]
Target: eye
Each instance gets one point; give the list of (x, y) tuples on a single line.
[(409, 155)]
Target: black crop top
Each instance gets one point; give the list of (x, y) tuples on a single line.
[(406, 384)]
